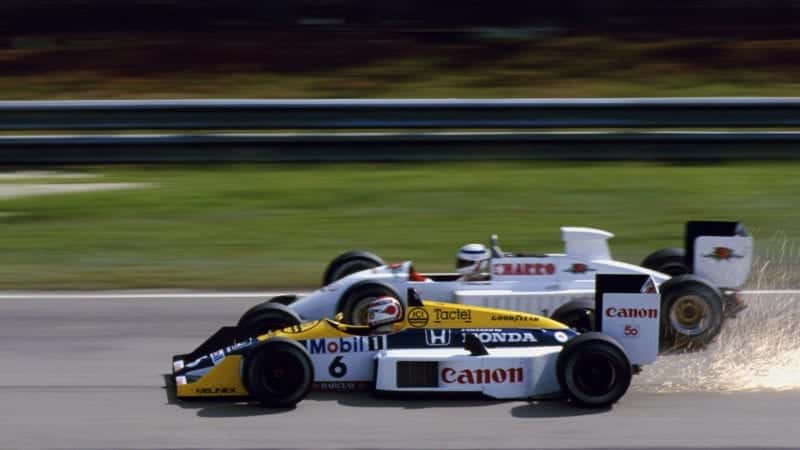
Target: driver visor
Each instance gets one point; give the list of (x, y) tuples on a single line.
[(464, 263)]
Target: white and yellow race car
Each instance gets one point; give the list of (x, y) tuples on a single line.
[(436, 348)]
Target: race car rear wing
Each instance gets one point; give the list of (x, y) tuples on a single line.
[(720, 252), (628, 309)]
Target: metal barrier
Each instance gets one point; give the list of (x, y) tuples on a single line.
[(399, 114), (398, 147), (633, 122)]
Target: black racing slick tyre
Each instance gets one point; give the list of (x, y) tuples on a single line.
[(691, 313), (349, 263), (266, 317), (353, 304), (283, 299), (278, 373), (593, 370), (671, 261), (577, 314)]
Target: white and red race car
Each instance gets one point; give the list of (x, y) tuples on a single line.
[(698, 284)]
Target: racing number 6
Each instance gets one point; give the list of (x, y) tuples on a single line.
[(337, 369)]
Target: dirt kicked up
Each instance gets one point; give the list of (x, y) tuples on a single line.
[(757, 351)]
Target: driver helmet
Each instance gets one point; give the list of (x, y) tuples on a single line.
[(384, 310), (471, 258)]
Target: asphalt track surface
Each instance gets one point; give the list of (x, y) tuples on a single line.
[(88, 372)]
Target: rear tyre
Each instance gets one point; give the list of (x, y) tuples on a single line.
[(593, 370), (349, 263), (577, 314), (691, 313), (284, 299), (267, 316), (671, 261), (278, 373), (353, 304)]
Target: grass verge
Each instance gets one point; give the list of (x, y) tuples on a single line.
[(255, 226)]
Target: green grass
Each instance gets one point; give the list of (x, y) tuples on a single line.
[(276, 226)]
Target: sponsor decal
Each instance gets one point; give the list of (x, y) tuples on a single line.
[(636, 313), (196, 362), (217, 356), (239, 345), (460, 315), (490, 336), (345, 345), (514, 318), (722, 254), (437, 337), (523, 269), (396, 268), (215, 390), (482, 376), (342, 386), (560, 336), (579, 268), (631, 330), (417, 317)]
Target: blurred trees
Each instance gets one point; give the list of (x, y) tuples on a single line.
[(723, 18)]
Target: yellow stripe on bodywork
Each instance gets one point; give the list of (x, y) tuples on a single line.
[(221, 381), (430, 315), (455, 315)]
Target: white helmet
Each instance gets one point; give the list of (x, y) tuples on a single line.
[(384, 310), (471, 258)]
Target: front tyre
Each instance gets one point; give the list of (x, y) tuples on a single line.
[(593, 370), (691, 313), (349, 263), (267, 316), (577, 314), (278, 373), (284, 299)]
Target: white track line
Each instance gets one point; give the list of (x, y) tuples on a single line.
[(770, 292), (221, 295)]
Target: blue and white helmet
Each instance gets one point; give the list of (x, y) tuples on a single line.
[(471, 258)]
